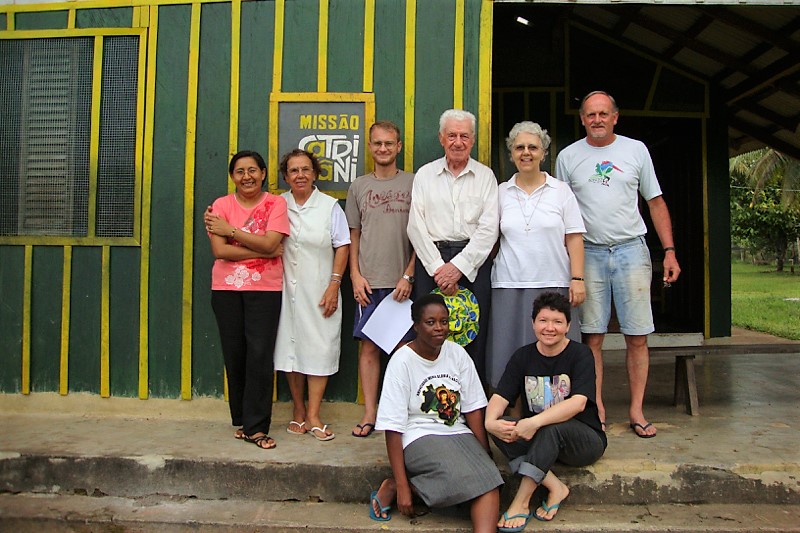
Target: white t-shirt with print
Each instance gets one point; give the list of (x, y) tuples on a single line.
[(422, 397)]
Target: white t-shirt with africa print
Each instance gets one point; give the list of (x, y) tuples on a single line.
[(422, 397)]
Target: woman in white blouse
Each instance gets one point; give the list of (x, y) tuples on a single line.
[(315, 256), (540, 247)]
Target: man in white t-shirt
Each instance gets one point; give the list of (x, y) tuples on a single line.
[(381, 257), (607, 173)]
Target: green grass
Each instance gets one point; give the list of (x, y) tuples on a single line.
[(760, 299)]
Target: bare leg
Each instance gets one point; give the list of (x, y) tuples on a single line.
[(637, 359), (557, 493), (521, 504), (316, 390), (297, 386), (483, 510), (369, 370), (595, 343)]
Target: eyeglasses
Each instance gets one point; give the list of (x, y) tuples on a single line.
[(252, 172), (530, 147), (299, 170), (387, 144)]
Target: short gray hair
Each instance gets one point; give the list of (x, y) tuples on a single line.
[(458, 115), (614, 106), (528, 127)]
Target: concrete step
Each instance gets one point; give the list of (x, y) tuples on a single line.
[(37, 513), (609, 481)]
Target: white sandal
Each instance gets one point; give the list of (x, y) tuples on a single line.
[(323, 430), (299, 425)]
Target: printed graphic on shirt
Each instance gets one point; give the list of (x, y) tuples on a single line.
[(546, 391), (443, 401), (250, 271), (602, 173), (389, 201)]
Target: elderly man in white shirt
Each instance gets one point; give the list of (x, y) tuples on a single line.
[(454, 223)]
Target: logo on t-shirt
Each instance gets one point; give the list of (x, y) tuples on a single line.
[(443, 401), (602, 173), (546, 391)]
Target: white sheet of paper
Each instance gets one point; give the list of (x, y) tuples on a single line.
[(388, 323)]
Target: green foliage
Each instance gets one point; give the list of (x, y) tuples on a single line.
[(762, 220), (766, 301)]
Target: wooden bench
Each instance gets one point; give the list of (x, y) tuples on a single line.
[(685, 378)]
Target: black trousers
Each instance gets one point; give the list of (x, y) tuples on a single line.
[(481, 288), (248, 325)]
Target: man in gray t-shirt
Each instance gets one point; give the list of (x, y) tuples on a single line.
[(608, 173), (381, 257)]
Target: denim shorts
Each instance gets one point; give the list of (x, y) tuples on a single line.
[(622, 272)]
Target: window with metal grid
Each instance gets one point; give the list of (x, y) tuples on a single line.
[(49, 184)]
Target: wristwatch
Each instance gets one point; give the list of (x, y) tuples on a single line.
[(408, 278)]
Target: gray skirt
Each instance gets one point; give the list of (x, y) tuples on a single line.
[(447, 470), (511, 329)]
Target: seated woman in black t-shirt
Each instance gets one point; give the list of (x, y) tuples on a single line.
[(556, 378)]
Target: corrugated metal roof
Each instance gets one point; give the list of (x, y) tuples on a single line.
[(748, 50)]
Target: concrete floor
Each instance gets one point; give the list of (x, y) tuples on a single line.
[(741, 449)]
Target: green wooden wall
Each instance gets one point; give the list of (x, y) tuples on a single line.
[(136, 320)]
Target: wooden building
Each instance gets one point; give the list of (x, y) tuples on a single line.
[(117, 120)]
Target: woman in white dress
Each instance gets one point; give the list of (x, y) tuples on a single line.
[(315, 256), (541, 247)]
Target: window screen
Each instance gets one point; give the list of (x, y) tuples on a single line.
[(45, 135)]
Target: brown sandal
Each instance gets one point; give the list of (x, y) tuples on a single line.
[(258, 440)]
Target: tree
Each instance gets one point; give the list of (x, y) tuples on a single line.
[(768, 167), (759, 220)]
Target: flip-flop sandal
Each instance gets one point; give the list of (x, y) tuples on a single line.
[(527, 518), (258, 440), (323, 430), (547, 509), (238, 434), (373, 498), (635, 425), (361, 427), (298, 424)]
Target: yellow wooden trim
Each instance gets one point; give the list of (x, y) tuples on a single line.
[(651, 93), (98, 4), (147, 178), (410, 84), (369, 45), (66, 303), (458, 56), (141, 84), (49, 240), (277, 50), (71, 18), (321, 97), (10, 21), (706, 234), (136, 17), (94, 136), (485, 84), (233, 113), (188, 205), (322, 47), (70, 32), (105, 281), (26, 320)]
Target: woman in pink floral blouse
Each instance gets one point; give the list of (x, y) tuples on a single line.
[(246, 229)]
